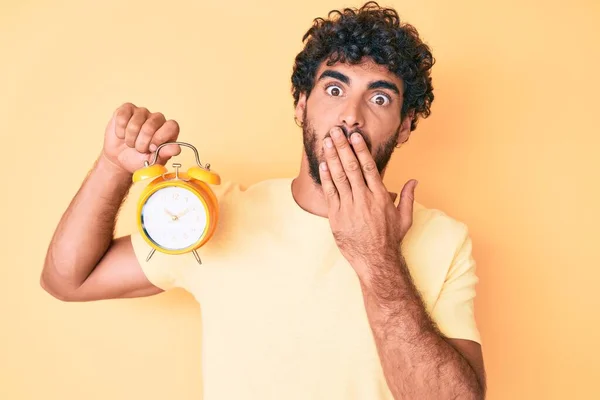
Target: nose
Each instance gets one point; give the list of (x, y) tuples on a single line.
[(351, 115)]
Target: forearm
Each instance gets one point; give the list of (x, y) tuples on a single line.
[(86, 229), (416, 359)]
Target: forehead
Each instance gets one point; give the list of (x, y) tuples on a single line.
[(363, 73)]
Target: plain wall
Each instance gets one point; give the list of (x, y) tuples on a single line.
[(511, 149)]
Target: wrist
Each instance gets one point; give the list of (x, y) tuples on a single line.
[(108, 168), (383, 274), (382, 260)]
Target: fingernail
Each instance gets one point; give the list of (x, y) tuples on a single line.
[(355, 137), (152, 147), (336, 133), (328, 142), (323, 166)]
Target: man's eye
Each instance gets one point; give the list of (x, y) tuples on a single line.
[(334, 90), (381, 100)]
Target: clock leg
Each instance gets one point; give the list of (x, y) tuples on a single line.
[(150, 254), (197, 257)]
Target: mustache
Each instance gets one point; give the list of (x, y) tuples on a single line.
[(348, 134), (357, 130)]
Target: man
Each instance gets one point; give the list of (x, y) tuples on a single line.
[(316, 287)]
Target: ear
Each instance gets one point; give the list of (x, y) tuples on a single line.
[(405, 128), (300, 107)]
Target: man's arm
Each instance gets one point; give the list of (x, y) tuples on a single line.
[(84, 262), (417, 360)]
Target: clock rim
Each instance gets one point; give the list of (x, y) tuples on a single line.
[(153, 188)]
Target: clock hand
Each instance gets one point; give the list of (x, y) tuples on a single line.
[(183, 213), (173, 216)]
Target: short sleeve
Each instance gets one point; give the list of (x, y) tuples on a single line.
[(169, 271), (162, 270), (454, 310)]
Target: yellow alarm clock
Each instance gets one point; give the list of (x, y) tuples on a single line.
[(177, 211)]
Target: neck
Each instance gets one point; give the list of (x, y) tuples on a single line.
[(307, 194)]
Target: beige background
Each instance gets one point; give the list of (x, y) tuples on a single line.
[(511, 149)]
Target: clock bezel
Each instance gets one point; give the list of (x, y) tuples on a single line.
[(153, 188)]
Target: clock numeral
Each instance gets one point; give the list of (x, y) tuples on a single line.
[(175, 196)]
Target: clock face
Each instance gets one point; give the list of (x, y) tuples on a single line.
[(174, 218)]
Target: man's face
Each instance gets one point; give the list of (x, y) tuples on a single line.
[(364, 98)]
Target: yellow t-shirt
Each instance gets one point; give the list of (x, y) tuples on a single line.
[(283, 313)]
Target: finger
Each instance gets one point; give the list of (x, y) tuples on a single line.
[(405, 206), (329, 190), (349, 161), (336, 170), (167, 152), (147, 131), (122, 116), (134, 125), (168, 132), (370, 173)]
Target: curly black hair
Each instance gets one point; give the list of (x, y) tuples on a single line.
[(375, 32)]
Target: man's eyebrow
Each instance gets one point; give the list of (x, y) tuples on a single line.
[(335, 75), (384, 85), (380, 84)]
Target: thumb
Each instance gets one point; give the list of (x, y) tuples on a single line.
[(405, 206), (111, 126)]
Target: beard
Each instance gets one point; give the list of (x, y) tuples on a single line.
[(314, 148)]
